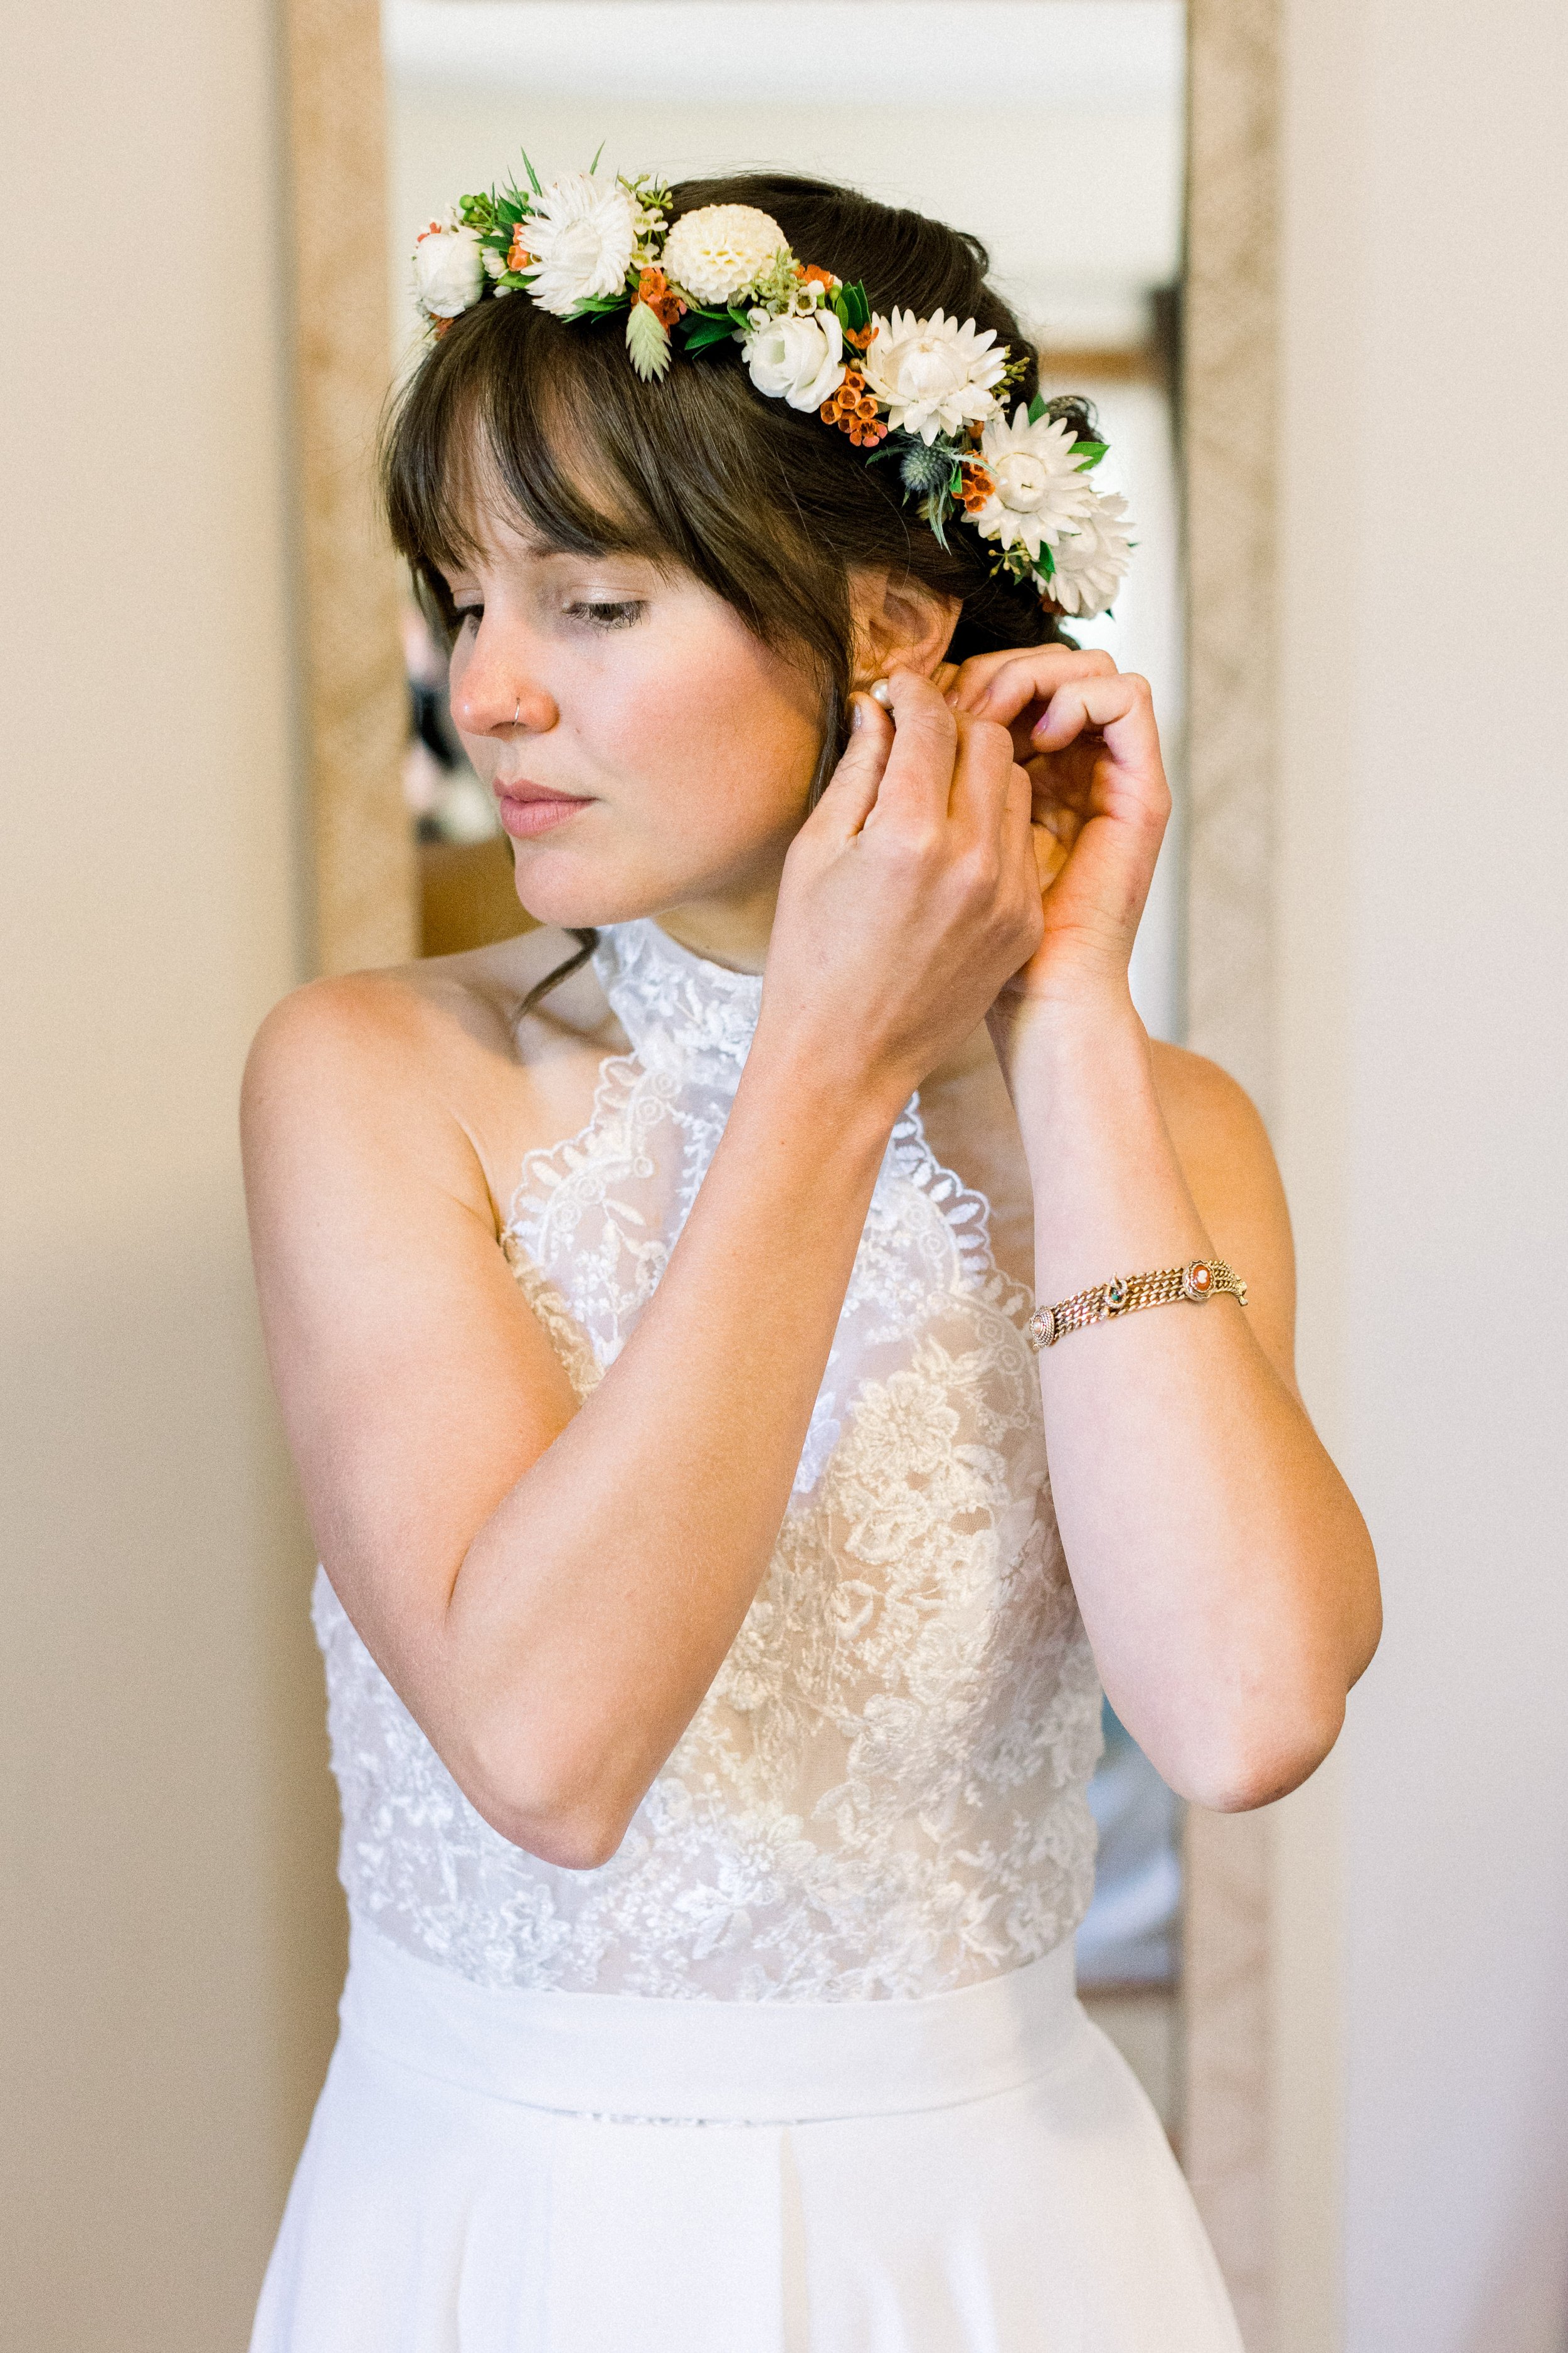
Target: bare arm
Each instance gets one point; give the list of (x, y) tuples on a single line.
[(553, 1592), (1225, 1575)]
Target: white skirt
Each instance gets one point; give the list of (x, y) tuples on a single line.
[(515, 2172)]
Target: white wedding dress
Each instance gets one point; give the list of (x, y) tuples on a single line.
[(800, 2070)]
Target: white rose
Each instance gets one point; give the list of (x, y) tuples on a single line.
[(581, 232), (717, 253), (449, 268), (800, 360)]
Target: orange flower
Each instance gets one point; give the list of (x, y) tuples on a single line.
[(439, 327), (854, 411), (975, 487), (519, 257), (859, 336), (810, 274), (654, 288)]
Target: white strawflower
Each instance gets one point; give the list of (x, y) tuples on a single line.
[(1091, 561), (932, 373), (449, 267), (717, 253), (800, 360), (1037, 488), (581, 232)]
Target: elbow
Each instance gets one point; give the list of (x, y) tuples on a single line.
[(573, 1837), (562, 1809), (1257, 1761)]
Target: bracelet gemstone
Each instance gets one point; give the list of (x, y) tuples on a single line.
[(1200, 1279)]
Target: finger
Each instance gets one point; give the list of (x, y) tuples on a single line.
[(1120, 707), (918, 780), (982, 777), (850, 794), (1017, 816), (999, 685)]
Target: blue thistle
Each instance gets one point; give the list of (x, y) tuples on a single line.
[(926, 467)]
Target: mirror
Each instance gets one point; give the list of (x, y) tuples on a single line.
[(1089, 235), (1078, 195)]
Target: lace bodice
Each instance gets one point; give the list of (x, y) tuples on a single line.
[(882, 1794)]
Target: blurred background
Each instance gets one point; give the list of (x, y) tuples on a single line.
[(170, 1937)]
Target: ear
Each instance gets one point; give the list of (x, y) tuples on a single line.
[(900, 624)]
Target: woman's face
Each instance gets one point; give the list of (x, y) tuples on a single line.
[(647, 753)]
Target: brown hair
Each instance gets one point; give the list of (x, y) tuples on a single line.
[(769, 507)]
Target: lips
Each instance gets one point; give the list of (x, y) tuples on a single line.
[(527, 810)]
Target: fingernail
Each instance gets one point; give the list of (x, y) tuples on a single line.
[(857, 711), (882, 693)]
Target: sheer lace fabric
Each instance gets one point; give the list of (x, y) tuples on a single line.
[(882, 1794)]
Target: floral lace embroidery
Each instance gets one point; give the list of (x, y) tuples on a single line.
[(882, 1794)]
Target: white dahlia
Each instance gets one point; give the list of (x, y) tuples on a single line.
[(1037, 486), (933, 375), (799, 359), (581, 232), (449, 267), (1091, 561), (719, 252)]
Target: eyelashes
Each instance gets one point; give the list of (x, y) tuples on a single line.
[(622, 613)]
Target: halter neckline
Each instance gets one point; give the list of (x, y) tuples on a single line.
[(680, 1011)]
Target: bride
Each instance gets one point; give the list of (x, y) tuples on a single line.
[(723, 1551)]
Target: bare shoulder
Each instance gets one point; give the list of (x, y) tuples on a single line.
[(427, 1056), (1214, 1122), (1234, 1179)]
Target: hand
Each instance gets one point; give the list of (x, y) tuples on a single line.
[(1084, 731), (909, 896)]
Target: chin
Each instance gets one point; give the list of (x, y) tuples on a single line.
[(578, 892)]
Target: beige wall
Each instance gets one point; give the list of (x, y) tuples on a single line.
[(165, 1986), (1424, 1006)]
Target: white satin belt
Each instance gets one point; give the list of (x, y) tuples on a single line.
[(624, 2056)]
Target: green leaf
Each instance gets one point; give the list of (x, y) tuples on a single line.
[(596, 306), (857, 311), (532, 174), (706, 332), (1093, 451), (593, 167), (647, 342), (1046, 567), (1036, 407), (514, 280), (932, 508)]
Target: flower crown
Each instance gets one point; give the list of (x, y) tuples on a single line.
[(930, 392)]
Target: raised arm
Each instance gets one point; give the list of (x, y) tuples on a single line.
[(552, 1591), (1225, 1575)]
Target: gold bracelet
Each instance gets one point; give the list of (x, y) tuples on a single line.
[(1200, 1279)]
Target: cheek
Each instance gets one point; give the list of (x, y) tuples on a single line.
[(723, 739)]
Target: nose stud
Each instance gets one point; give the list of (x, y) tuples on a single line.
[(517, 713)]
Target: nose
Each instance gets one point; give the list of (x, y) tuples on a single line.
[(495, 690)]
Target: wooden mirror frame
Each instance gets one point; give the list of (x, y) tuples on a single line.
[(364, 898)]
